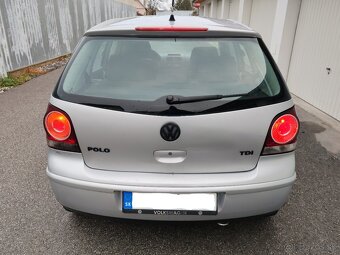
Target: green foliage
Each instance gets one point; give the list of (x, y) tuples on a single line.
[(183, 5), (7, 82), (14, 81)]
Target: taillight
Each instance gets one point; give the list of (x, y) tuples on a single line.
[(285, 129), (59, 130), (282, 133), (58, 126)]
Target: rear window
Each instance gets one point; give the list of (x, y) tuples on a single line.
[(138, 75)]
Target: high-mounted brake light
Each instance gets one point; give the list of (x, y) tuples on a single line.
[(282, 133), (59, 130), (172, 29)]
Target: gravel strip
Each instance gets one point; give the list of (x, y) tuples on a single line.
[(4, 89), (37, 71)]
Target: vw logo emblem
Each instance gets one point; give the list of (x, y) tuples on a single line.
[(170, 132)]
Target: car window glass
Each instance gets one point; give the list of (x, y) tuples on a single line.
[(148, 69)]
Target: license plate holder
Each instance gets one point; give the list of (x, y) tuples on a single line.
[(169, 203)]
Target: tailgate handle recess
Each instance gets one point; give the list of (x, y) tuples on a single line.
[(170, 156)]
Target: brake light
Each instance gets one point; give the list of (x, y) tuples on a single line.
[(172, 29), (282, 133), (58, 126), (285, 129), (59, 130)]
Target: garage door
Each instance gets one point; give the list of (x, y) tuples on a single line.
[(314, 73)]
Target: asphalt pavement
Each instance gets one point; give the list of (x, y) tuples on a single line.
[(32, 221)]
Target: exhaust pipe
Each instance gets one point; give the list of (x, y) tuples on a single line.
[(223, 223)]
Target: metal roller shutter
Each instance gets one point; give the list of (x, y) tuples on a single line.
[(314, 73)]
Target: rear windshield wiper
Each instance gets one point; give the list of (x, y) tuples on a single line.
[(184, 100), (109, 107)]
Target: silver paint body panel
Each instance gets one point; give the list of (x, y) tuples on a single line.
[(212, 142), (262, 190), (205, 158)]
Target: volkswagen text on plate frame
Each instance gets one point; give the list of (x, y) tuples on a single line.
[(184, 121)]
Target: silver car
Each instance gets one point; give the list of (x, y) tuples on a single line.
[(171, 120)]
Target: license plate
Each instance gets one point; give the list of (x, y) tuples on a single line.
[(169, 203)]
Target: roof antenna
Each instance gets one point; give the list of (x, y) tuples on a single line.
[(172, 17)]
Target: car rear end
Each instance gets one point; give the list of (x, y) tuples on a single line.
[(174, 122)]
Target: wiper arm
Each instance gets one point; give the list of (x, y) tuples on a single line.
[(184, 100)]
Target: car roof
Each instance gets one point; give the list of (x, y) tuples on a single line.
[(214, 26)]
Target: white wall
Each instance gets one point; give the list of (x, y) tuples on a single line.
[(262, 18), (275, 20), (33, 31), (207, 10), (234, 9), (219, 11), (246, 12), (226, 9), (284, 52), (201, 12), (213, 9), (316, 47)]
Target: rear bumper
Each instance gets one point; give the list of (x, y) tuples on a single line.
[(262, 190)]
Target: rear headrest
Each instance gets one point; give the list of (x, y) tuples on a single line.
[(200, 55), (133, 66), (136, 46), (207, 65)]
